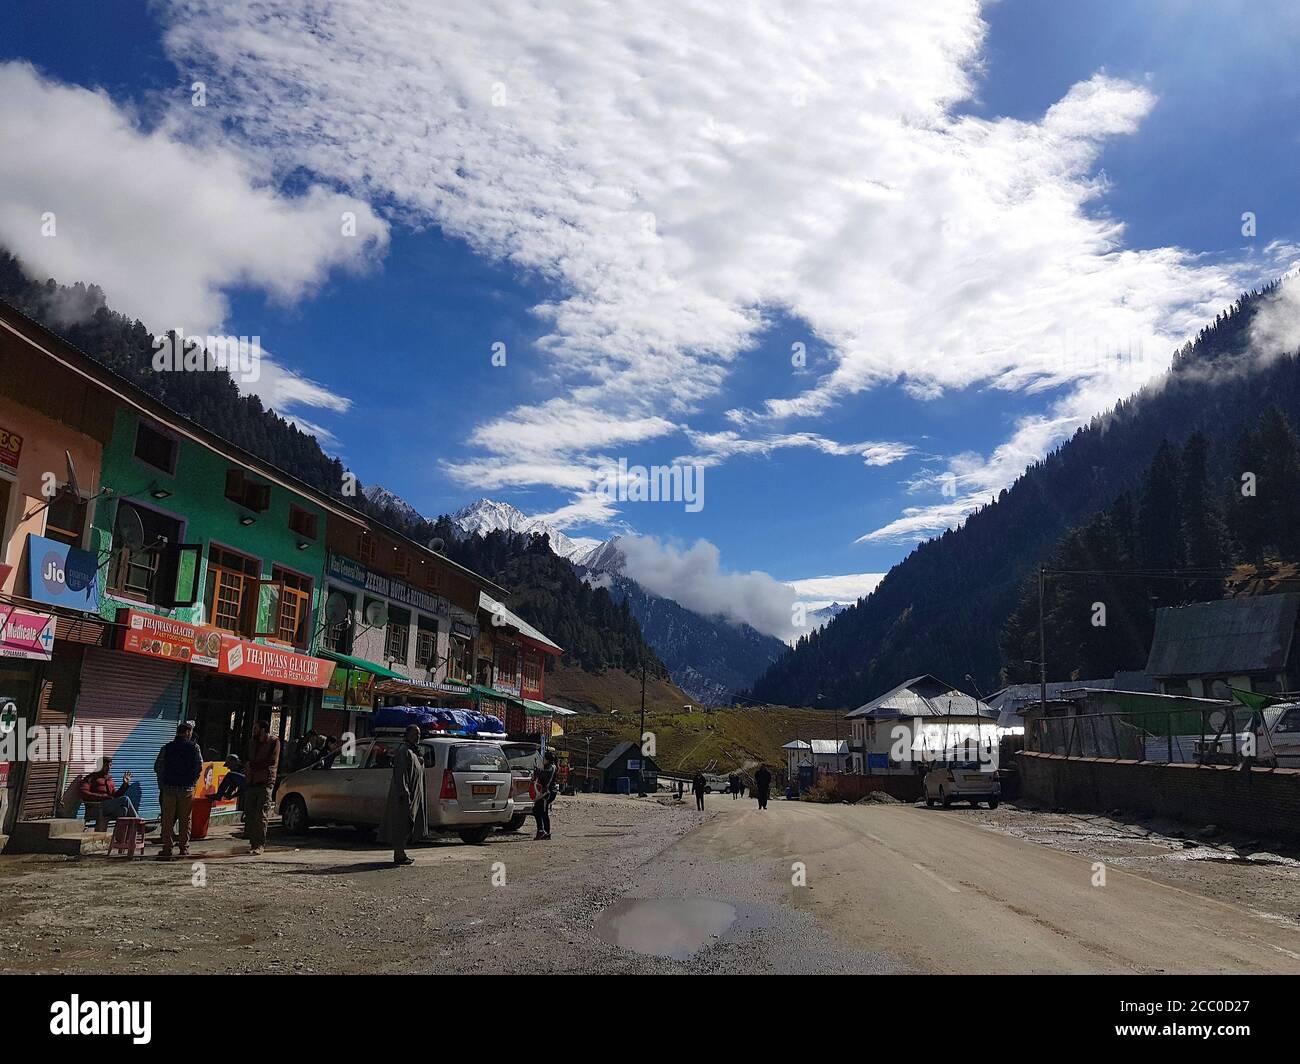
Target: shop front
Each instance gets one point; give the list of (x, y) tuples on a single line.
[(26, 642), (254, 681)]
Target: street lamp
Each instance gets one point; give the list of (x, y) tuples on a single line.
[(586, 772), (640, 742)]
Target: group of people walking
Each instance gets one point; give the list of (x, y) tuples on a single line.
[(761, 790)]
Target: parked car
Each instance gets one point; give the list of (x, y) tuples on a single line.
[(467, 788), (956, 781), (523, 758)]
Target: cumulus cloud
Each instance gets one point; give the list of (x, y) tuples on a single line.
[(679, 177), (163, 225), (694, 577), (818, 591)]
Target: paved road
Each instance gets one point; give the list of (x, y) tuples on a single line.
[(931, 891)]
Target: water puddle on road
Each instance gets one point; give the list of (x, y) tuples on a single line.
[(675, 928)]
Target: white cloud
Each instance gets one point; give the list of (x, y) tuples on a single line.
[(679, 176), (819, 591), (717, 447), (162, 225), (694, 577)]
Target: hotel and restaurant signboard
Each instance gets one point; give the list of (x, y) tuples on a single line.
[(346, 571), (156, 636)]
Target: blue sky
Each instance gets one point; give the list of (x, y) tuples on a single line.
[(938, 222)]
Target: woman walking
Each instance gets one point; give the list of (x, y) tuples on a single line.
[(548, 786)]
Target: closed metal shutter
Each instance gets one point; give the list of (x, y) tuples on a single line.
[(137, 702), (43, 782)]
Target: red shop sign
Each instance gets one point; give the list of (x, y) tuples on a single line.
[(256, 661), (163, 637)]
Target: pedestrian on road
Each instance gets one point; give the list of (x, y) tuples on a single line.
[(405, 818), (263, 767), (699, 786), (762, 785), (733, 785), (548, 786), (177, 767)]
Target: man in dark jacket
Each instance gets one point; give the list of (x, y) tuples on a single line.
[(699, 785), (405, 819), (177, 767), (762, 785), (263, 766)]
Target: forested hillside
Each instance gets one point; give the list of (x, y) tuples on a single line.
[(942, 609), (594, 632)]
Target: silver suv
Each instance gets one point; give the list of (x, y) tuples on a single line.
[(467, 785)]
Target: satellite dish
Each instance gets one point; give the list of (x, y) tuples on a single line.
[(336, 608), (436, 544), (128, 529), (376, 614), (1218, 719), (72, 474)]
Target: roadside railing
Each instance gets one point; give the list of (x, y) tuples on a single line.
[(1220, 736)]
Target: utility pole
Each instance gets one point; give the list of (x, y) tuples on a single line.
[(586, 772), (640, 740), (1042, 645)]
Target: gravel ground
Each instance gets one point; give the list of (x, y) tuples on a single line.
[(626, 886), (1260, 875), (332, 903)]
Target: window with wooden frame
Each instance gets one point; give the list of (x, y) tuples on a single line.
[(532, 670), (251, 494), (302, 522), (162, 571), (397, 635), (426, 642), (507, 663), (232, 591), (366, 548), (460, 654), (65, 517), (401, 564), (291, 610), (154, 447), (430, 572), (338, 637)]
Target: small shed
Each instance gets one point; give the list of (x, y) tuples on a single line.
[(620, 769)]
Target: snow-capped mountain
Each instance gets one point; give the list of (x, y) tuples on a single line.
[(488, 515), (381, 496)]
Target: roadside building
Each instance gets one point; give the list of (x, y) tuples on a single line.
[(918, 722), (510, 677), (54, 425), (619, 770), (1248, 643), (401, 622), (822, 755), (197, 571)]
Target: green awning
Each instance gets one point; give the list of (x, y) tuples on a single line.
[(495, 695), (545, 709), (361, 663)]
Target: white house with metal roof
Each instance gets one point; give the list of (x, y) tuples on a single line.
[(920, 721), (829, 755)]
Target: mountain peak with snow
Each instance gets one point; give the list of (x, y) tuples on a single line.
[(490, 515)]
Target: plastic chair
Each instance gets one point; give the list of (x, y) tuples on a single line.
[(128, 836)]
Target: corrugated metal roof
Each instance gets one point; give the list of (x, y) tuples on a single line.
[(1231, 636), (618, 751), (491, 605), (830, 746), (923, 696)]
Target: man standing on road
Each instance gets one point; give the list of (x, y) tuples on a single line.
[(699, 786), (762, 785), (263, 766), (177, 767), (733, 785), (405, 819)]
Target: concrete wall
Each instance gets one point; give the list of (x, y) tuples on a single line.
[(1263, 802)]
